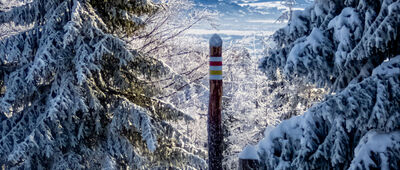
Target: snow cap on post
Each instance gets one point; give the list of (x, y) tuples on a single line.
[(215, 41), (248, 158), (249, 152)]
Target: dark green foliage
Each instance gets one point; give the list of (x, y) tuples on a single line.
[(122, 16)]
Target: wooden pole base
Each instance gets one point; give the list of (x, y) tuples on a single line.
[(215, 136)]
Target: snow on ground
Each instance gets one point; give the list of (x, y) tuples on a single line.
[(249, 152)]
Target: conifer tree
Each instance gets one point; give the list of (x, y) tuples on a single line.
[(352, 48), (73, 95)]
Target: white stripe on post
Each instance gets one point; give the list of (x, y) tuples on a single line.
[(215, 67), (215, 58), (215, 77)]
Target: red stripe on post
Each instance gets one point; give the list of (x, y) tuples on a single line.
[(215, 63)]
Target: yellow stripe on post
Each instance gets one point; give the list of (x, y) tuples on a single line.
[(215, 72)]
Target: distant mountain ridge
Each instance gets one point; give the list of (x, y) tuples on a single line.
[(247, 8), (239, 18)]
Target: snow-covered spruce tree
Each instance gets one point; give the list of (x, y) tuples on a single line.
[(251, 101), (290, 98), (351, 47), (72, 96)]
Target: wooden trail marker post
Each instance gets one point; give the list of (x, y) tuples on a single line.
[(214, 126)]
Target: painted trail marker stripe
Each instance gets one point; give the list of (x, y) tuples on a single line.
[(215, 77), (215, 58), (215, 63), (215, 72), (215, 67)]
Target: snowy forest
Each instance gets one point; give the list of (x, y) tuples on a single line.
[(127, 84)]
